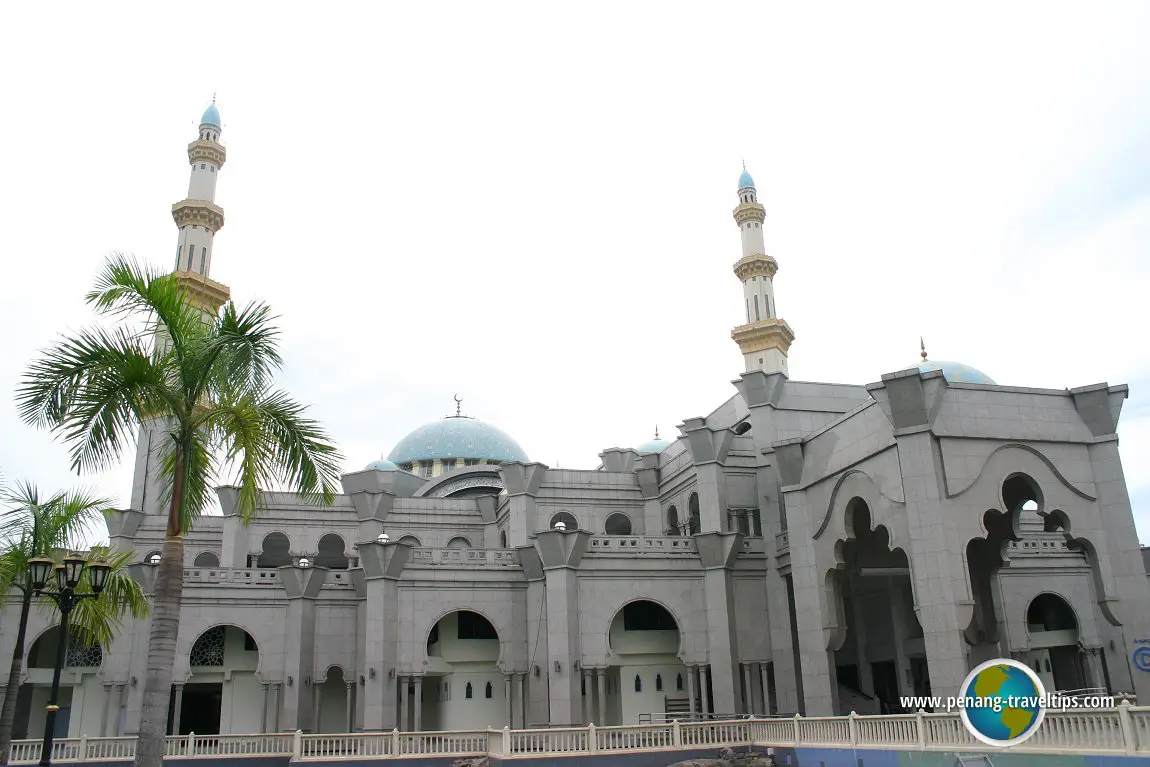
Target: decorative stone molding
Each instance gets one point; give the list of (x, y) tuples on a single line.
[(202, 291), (760, 336), (749, 211), (464, 483), (198, 213), (207, 151), (756, 265)]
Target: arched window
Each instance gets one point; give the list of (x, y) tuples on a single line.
[(1050, 612), (679, 682), (467, 691), (410, 540), (568, 520), (208, 649), (502, 539), (673, 521), (459, 542), (618, 524), (331, 553), (489, 692), (638, 683), (275, 551), (153, 558), (694, 521), (206, 559), (658, 682)]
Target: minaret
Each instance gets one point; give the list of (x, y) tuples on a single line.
[(198, 218), (765, 339)]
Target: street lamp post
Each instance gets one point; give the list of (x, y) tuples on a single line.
[(66, 598)]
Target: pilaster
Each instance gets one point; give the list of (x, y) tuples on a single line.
[(382, 565), (560, 553), (522, 482), (717, 553), (302, 586)]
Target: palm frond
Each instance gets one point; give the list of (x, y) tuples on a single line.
[(199, 473), (94, 389), (126, 287), (98, 619), (243, 353)]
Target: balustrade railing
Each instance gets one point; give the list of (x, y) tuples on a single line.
[(1121, 730), (642, 544), (465, 557)]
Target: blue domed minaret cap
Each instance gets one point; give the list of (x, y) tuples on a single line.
[(211, 115), (745, 180)]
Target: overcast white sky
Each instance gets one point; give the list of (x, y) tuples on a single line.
[(530, 204)]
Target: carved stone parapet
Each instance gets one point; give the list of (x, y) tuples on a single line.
[(202, 291), (198, 213), (749, 211), (760, 336), (207, 151), (756, 265)]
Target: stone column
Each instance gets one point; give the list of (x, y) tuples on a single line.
[(900, 613), (403, 690), (264, 720), (349, 702), (601, 691), (748, 689), (510, 700), (692, 672), (765, 686), (519, 697), (120, 695), (316, 705), (103, 713), (704, 677), (588, 691), (417, 703), (866, 678), (278, 690), (178, 707), (1096, 677)]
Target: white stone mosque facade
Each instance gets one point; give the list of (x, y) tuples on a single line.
[(804, 547)]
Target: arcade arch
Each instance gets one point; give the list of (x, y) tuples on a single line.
[(881, 654), (81, 705), (462, 654), (204, 704), (333, 711), (644, 641), (331, 553), (274, 552), (1054, 653), (567, 518)]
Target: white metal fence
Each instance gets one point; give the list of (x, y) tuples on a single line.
[(1121, 730)]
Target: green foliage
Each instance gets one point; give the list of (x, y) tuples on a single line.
[(206, 378)]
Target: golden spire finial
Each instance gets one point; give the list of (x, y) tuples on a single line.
[(922, 347)]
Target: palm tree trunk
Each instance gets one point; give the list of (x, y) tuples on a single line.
[(8, 713), (165, 628)]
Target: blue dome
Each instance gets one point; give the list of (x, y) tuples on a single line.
[(457, 437), (381, 465), (653, 446), (956, 372), (745, 180), (211, 116)]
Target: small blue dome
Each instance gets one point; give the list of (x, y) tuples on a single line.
[(457, 437), (381, 465), (956, 372), (745, 180), (653, 446), (211, 116)]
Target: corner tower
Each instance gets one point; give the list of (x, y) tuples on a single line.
[(198, 218), (765, 339)]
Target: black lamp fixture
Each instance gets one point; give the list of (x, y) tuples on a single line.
[(66, 597)]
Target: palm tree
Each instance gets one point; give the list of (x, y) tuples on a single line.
[(203, 378), (34, 527)]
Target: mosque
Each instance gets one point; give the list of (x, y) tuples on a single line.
[(804, 547)]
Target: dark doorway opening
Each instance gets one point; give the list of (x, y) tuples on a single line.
[(200, 710)]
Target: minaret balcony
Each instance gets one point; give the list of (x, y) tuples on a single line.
[(198, 213), (207, 151), (764, 335), (756, 265), (201, 291), (748, 212)]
